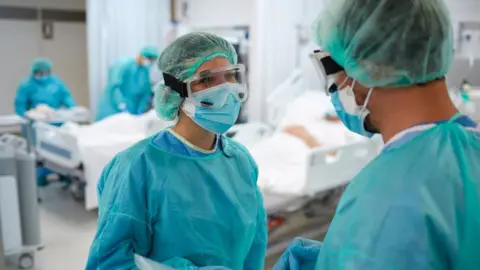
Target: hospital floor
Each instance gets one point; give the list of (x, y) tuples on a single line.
[(67, 231)]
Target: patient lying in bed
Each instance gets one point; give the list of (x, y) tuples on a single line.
[(282, 157)]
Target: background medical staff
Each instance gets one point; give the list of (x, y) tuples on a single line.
[(129, 88), (416, 206), (186, 198), (42, 87)]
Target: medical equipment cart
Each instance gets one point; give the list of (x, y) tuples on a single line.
[(19, 212)]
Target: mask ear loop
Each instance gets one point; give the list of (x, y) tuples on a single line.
[(352, 93), (343, 83), (369, 94), (363, 111)]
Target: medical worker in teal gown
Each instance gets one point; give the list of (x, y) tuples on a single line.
[(417, 205), (129, 87), (186, 198), (42, 87)]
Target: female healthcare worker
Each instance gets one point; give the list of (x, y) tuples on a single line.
[(129, 88), (417, 205), (187, 197)]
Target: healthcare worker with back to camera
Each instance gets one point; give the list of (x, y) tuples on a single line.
[(41, 87), (417, 205), (129, 87), (186, 198)]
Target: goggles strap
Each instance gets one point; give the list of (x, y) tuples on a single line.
[(331, 67), (176, 85)]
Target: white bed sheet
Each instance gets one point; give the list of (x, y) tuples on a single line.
[(282, 157), (100, 142)]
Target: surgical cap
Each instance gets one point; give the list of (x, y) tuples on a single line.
[(181, 59), (41, 64), (150, 52), (389, 43)]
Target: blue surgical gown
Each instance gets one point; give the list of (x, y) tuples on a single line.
[(416, 206), (179, 209), (51, 92), (128, 84)]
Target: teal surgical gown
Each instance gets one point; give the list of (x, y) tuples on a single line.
[(128, 84), (180, 210), (51, 91), (415, 207)]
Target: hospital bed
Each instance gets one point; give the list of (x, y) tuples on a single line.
[(11, 123), (81, 151)]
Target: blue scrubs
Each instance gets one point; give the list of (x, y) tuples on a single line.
[(180, 207), (32, 92), (128, 84), (51, 91), (416, 206)]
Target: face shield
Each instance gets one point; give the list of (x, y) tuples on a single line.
[(327, 69), (211, 88)]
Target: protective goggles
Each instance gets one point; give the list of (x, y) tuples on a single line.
[(326, 68), (44, 72), (202, 87)]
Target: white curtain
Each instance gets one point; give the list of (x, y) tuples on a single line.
[(310, 11), (120, 28), (276, 49)]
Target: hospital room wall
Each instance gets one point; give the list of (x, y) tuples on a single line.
[(220, 13), (22, 40), (466, 11), (463, 11)]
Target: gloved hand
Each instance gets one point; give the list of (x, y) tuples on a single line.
[(301, 254)]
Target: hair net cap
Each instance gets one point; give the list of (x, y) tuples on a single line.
[(388, 42), (41, 64), (150, 52), (181, 59)]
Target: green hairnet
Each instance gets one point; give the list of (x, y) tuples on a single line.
[(41, 64), (389, 43), (181, 59), (149, 52)]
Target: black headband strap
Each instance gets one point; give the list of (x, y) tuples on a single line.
[(176, 85), (330, 66)]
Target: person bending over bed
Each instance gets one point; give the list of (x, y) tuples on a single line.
[(186, 197)]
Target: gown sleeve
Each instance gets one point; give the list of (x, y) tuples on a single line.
[(256, 256), (21, 100), (123, 223)]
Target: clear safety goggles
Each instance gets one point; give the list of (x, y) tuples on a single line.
[(42, 73), (327, 69), (203, 88)]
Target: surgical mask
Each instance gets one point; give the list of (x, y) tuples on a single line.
[(216, 120), (351, 115), (41, 78), (146, 63)]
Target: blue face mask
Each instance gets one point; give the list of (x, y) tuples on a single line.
[(215, 120), (353, 121), (41, 78)]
